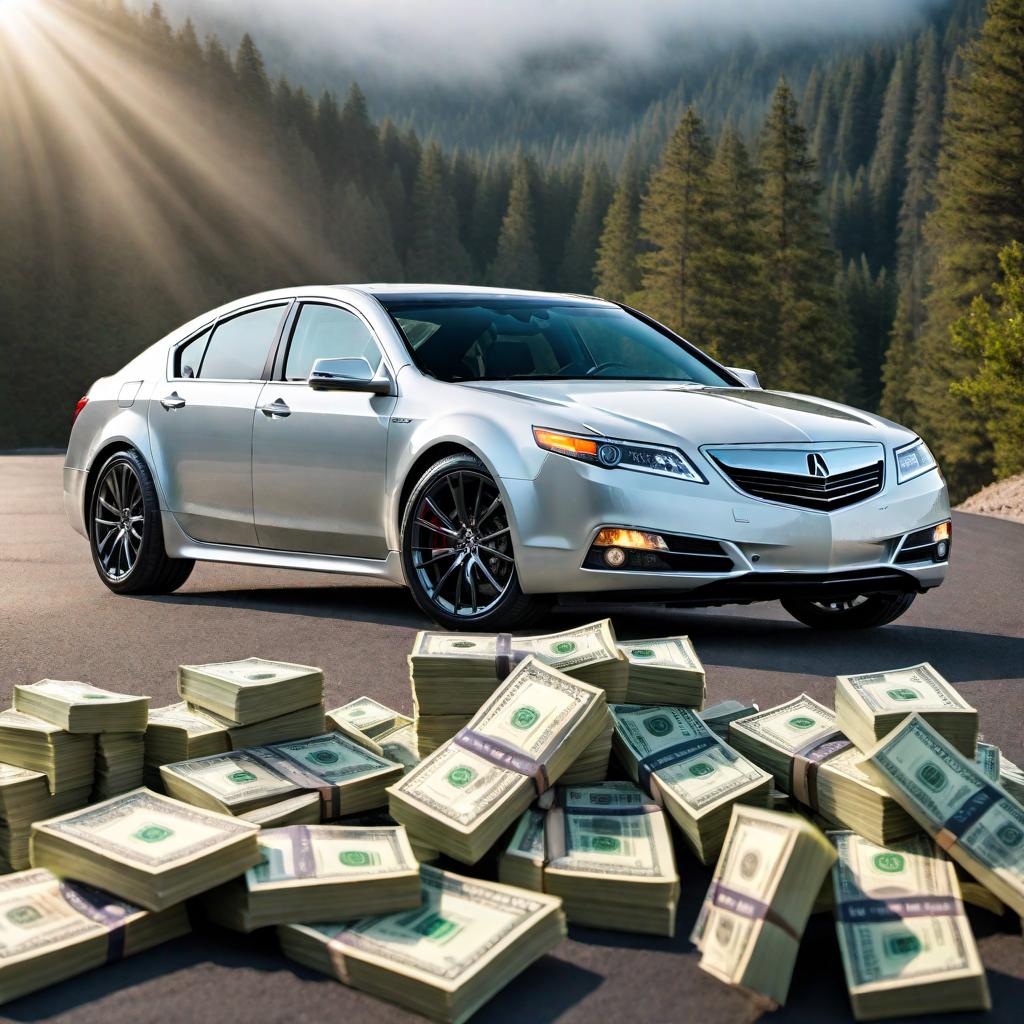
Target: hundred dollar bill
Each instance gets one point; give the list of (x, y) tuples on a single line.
[(81, 707), (522, 863), (718, 716), (466, 942), (973, 819), (320, 873), (462, 797), (65, 758), (762, 892), (146, 848), (369, 716), (997, 767), (665, 670), (870, 705), (906, 943), (810, 759), (53, 929), (676, 758), (454, 673)]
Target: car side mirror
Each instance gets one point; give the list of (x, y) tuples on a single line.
[(353, 374), (748, 378)]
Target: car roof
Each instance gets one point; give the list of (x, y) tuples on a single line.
[(463, 291)]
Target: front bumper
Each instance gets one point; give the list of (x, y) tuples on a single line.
[(557, 515)]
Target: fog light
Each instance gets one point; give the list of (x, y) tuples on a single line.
[(615, 558), (614, 537), (940, 549), (942, 531)]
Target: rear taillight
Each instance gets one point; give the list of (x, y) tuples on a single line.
[(79, 406)]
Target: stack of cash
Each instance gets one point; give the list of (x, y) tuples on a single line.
[(24, 798), (719, 716), (370, 717), (869, 706), (303, 809), (464, 795), (680, 762), (798, 742), (174, 733), (120, 763), (320, 873), (762, 892), (378, 728), (609, 858), (467, 941), (974, 820), (996, 767), (454, 673), (664, 671), (251, 690), (146, 848), (293, 725), (65, 758), (348, 777), (522, 861), (81, 707), (53, 930), (906, 943)]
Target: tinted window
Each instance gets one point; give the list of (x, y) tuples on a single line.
[(239, 346), (327, 332), (500, 339), (190, 355)]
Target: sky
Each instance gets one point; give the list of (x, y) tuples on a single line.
[(481, 41)]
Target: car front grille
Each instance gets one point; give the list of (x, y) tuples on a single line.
[(823, 494)]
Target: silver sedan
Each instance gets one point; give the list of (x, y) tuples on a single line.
[(496, 451)]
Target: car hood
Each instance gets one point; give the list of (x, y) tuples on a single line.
[(652, 411)]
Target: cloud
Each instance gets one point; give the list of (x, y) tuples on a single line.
[(487, 40)]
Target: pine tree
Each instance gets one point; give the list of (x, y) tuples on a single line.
[(809, 346), (675, 222), (735, 299), (516, 264), (368, 250), (359, 148), (853, 136), (913, 265), (577, 270), (979, 210), (253, 85), (435, 251), (870, 302), (489, 205), (887, 171), (617, 270)]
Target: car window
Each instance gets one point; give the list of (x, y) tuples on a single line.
[(239, 346), (190, 355), (328, 332)]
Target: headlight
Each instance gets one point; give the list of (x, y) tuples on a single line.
[(912, 460), (610, 453)]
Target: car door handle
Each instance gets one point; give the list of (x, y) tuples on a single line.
[(276, 408), (172, 401)]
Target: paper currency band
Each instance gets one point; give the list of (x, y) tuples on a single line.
[(747, 906), (871, 911), (101, 908), (336, 951), (966, 815), (503, 755), (303, 858), (647, 766), (803, 769), (506, 657), (330, 795)]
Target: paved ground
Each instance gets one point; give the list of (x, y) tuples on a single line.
[(57, 620)]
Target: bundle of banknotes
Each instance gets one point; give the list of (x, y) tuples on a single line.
[(461, 798), (382, 730), (664, 670), (605, 850)]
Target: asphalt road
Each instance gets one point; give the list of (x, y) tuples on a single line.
[(57, 620)]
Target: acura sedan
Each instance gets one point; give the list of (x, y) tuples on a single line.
[(496, 451)]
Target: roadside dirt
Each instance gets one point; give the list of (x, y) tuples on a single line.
[(1003, 499)]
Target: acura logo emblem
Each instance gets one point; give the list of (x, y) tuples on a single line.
[(816, 465)]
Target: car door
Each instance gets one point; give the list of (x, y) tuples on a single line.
[(319, 457), (200, 424)]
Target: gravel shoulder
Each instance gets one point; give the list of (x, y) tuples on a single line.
[(1004, 499)]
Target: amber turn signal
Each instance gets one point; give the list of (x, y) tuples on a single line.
[(615, 537)]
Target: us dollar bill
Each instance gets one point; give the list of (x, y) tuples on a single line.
[(905, 940), (970, 817)]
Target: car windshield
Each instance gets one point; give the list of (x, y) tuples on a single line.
[(481, 338)]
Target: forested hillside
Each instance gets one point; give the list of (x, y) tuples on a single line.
[(824, 216)]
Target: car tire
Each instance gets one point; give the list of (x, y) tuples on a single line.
[(863, 612), (429, 521), (133, 561)]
